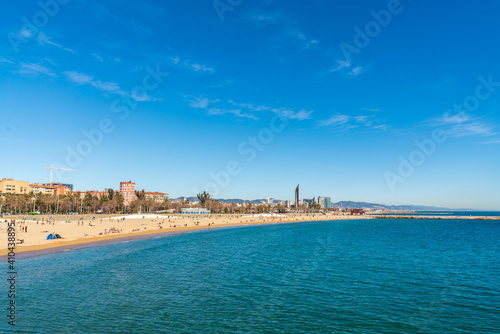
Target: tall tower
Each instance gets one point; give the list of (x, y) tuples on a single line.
[(297, 197), (127, 189)]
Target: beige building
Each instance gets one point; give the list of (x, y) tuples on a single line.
[(11, 186), (38, 188)]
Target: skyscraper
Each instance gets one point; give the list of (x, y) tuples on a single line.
[(297, 197), (328, 202)]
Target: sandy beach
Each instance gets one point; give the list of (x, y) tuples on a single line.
[(75, 230)]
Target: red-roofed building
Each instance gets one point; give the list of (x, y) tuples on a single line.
[(358, 212), (61, 190)]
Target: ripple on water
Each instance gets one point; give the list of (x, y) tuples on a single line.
[(382, 276)]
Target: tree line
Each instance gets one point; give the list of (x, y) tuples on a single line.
[(113, 202)]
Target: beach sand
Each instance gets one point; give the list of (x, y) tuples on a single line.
[(76, 231)]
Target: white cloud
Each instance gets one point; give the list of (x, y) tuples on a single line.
[(85, 79), (78, 78), (5, 60), (201, 102), (35, 70), (43, 39), (98, 57), (190, 65), (471, 129), (345, 122), (288, 113), (105, 86), (356, 71), (459, 118), (463, 124), (204, 103), (281, 112), (335, 120), (202, 68), (341, 64), (235, 112)]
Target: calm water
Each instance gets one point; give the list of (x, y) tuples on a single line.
[(447, 213), (378, 276)]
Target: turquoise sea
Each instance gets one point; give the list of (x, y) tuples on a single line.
[(357, 276), (446, 213)]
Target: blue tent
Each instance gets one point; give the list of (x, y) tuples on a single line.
[(51, 236)]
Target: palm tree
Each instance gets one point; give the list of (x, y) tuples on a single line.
[(140, 194), (204, 197), (64, 204), (119, 199), (87, 200)]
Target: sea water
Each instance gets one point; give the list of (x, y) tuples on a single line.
[(353, 276), (446, 213)]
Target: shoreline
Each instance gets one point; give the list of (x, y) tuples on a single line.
[(447, 217), (39, 246), (98, 240)]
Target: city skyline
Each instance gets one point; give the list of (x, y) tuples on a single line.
[(361, 101)]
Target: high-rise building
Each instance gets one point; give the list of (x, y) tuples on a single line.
[(328, 202), (270, 201), (127, 189), (321, 202), (308, 201), (297, 203)]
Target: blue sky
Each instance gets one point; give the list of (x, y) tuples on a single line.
[(247, 99)]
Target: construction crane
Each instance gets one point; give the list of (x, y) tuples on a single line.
[(52, 171)]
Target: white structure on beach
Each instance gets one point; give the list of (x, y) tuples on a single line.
[(195, 211)]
